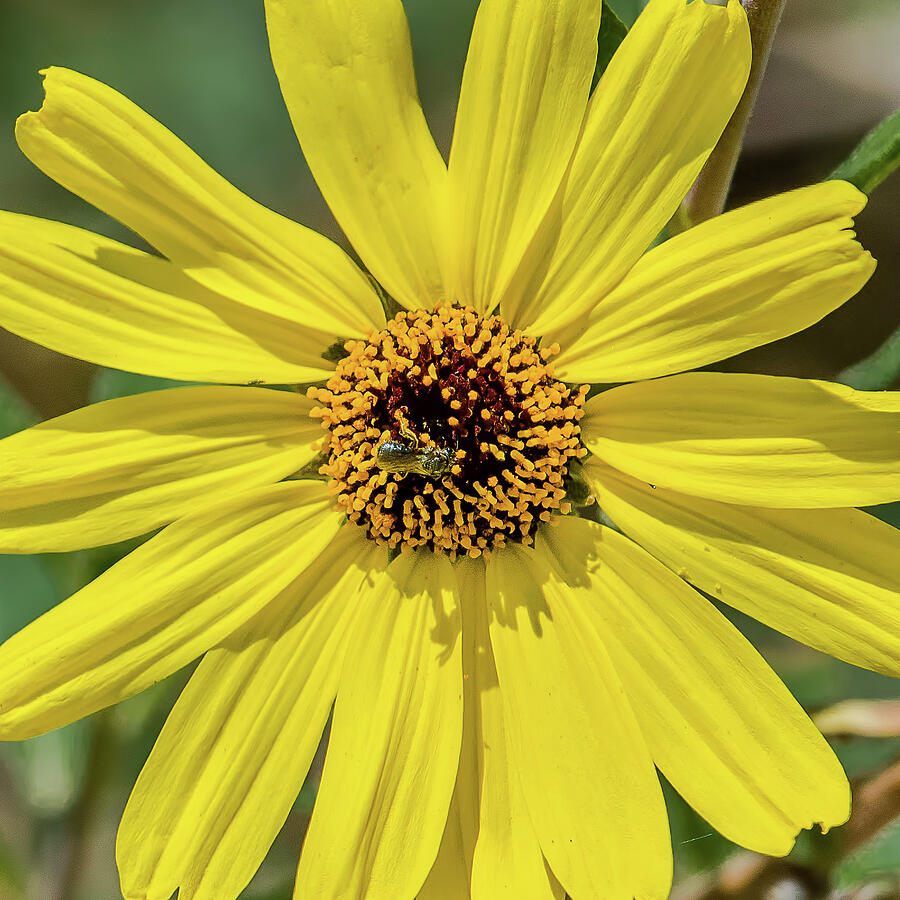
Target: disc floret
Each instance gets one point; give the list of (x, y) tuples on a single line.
[(448, 430)]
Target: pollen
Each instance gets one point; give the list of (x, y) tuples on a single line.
[(447, 430)]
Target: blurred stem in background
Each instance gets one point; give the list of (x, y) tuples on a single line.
[(83, 815), (707, 197)]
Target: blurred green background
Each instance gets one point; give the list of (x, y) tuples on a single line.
[(202, 68)]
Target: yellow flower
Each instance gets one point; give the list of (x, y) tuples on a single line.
[(503, 686)]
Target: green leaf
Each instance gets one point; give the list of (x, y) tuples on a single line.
[(15, 414), (877, 371), (110, 384), (887, 512), (877, 856), (612, 32), (697, 846), (875, 156), (628, 10), (28, 590), (863, 757)]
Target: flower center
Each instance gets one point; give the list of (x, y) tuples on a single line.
[(449, 431)]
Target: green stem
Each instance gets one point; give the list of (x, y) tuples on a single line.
[(707, 197), (874, 158)]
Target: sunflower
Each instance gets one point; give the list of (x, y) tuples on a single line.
[(396, 542)]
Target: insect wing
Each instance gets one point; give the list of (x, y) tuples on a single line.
[(392, 456), (432, 462)]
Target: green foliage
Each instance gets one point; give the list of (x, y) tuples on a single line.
[(14, 412), (872, 160), (28, 591), (880, 855), (696, 845), (611, 34), (887, 512), (109, 384), (627, 10), (877, 371), (863, 757), (874, 157)]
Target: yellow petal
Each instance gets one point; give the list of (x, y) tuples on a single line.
[(346, 72), (121, 468), (449, 876), (826, 577), (521, 109), (236, 748), (507, 862), (652, 121), (177, 595), (752, 439), (99, 300), (102, 147), (749, 277), (395, 740), (586, 772), (720, 725), (489, 833)]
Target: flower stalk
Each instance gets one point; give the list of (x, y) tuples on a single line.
[(708, 195)]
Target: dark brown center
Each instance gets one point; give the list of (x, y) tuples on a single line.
[(449, 431)]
